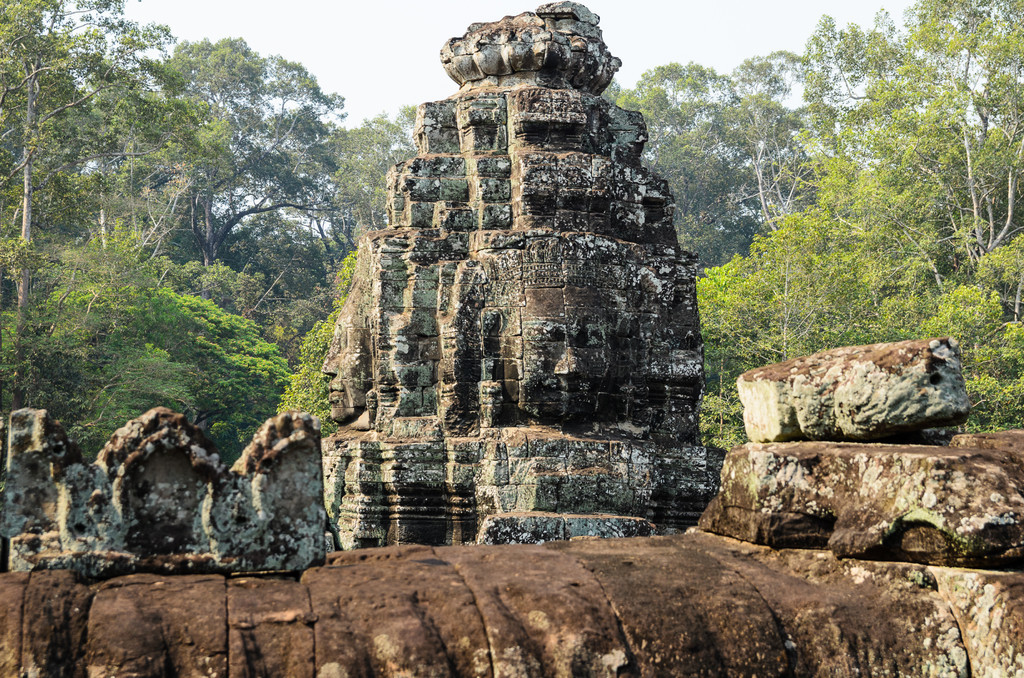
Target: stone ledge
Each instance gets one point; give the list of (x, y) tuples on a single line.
[(946, 506), (687, 605), (537, 527)]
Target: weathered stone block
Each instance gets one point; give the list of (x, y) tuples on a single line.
[(856, 393), (148, 625), (537, 527), (495, 216), (270, 628), (494, 166), (989, 610), (418, 214), (454, 190), (937, 505), (686, 605), (451, 217)]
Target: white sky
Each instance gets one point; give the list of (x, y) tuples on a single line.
[(383, 55)]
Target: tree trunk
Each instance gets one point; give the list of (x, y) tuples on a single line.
[(18, 392)]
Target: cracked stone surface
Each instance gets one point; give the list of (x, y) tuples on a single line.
[(687, 605), (856, 393), (158, 498), (955, 505), (523, 337)]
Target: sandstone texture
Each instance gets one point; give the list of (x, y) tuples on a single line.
[(685, 605), (519, 360), (523, 337), (158, 499), (856, 393), (942, 505)]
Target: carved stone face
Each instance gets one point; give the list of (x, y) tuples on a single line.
[(348, 365), (570, 342)]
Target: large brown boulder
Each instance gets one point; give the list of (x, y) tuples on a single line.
[(856, 392)]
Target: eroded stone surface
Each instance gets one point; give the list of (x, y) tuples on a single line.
[(159, 499), (150, 625), (946, 506), (1007, 441), (686, 605), (524, 336), (848, 617), (989, 607), (856, 393), (270, 628), (559, 46)]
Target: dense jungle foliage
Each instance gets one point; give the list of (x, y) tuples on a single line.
[(176, 219)]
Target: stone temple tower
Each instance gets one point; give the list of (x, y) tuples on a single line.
[(519, 358)]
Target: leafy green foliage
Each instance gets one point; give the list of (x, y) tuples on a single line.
[(263, 146), (109, 343), (307, 391), (729, 147), (188, 221), (193, 217), (915, 138)]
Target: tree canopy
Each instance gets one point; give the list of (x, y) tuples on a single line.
[(177, 219), (173, 218), (911, 224)]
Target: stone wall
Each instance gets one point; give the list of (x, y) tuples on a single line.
[(816, 558), (157, 498), (686, 605)]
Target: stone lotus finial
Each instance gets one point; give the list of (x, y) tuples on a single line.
[(558, 46)]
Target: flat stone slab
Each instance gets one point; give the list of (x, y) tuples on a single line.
[(958, 506), (537, 527), (856, 393)]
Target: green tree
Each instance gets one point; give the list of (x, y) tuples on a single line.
[(109, 342), (264, 147), (365, 154), (307, 390), (690, 145), (934, 114), (769, 133), (57, 60), (729, 145)]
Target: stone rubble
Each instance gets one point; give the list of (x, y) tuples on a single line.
[(957, 506), (523, 338), (158, 499)]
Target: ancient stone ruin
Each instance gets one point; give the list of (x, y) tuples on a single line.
[(158, 499), (830, 550), (957, 505), (519, 357), (693, 604)]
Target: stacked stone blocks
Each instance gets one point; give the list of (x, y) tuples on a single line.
[(524, 335)]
